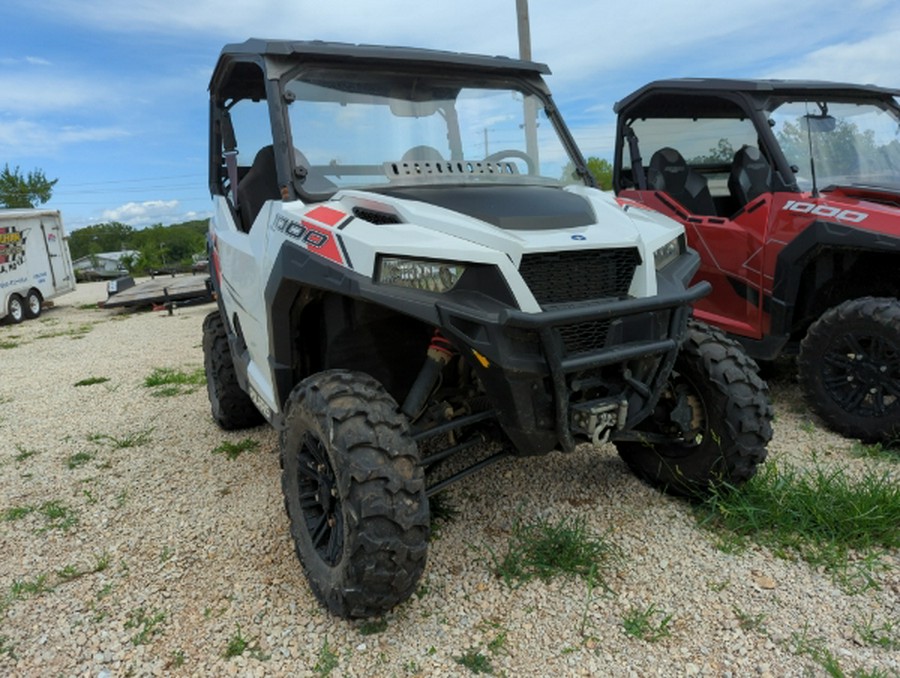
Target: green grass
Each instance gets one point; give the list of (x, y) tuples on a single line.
[(168, 381), (21, 587), (90, 381), (6, 647), (544, 550), (17, 513), (237, 644), (234, 450), (640, 624), (886, 635), (327, 660), (146, 625), (129, 440), (876, 451), (8, 344), (373, 627), (78, 459), (22, 454), (822, 515), (56, 515), (475, 662), (73, 332)]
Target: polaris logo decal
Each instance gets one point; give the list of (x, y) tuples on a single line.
[(315, 239), (852, 216)]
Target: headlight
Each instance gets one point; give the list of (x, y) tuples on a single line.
[(418, 274), (669, 252)]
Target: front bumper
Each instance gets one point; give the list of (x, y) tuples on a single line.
[(583, 370)]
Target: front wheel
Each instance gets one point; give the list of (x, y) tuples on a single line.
[(15, 309), (354, 492), (849, 368), (231, 406), (712, 423)]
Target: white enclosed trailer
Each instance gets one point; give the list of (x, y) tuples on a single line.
[(35, 264)]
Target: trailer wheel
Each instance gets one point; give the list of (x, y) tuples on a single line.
[(354, 492), (717, 412), (231, 406), (33, 304), (15, 309), (849, 368)]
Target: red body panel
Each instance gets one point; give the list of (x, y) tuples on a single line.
[(739, 255)]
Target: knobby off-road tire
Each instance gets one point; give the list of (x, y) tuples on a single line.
[(32, 304), (717, 389), (15, 309), (849, 368), (231, 406), (354, 492)]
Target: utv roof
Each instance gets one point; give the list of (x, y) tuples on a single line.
[(338, 52), (707, 86)]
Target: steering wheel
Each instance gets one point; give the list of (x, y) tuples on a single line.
[(497, 156)]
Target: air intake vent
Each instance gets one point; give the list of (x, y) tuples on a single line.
[(582, 275), (375, 217)]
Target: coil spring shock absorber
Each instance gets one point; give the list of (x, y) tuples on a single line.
[(439, 353)]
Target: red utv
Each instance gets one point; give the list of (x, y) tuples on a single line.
[(790, 191)]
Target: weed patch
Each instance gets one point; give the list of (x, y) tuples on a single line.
[(127, 441), (78, 459), (822, 516), (234, 450), (475, 662), (167, 381), (327, 660), (145, 624), (640, 624), (543, 549)]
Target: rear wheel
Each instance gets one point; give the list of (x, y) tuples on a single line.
[(712, 423), (15, 309), (33, 304), (354, 493), (231, 406), (849, 368)]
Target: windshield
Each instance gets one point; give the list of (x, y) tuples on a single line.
[(852, 143), (353, 129)]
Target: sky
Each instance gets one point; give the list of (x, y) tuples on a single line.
[(110, 96)]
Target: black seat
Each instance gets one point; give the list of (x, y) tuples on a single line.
[(751, 175), (668, 172), (258, 185)]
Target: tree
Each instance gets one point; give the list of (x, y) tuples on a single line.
[(107, 237), (17, 190), (600, 168)]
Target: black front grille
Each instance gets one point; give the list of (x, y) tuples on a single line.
[(567, 277), (584, 337)]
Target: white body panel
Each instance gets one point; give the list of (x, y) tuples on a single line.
[(426, 231), (34, 255)]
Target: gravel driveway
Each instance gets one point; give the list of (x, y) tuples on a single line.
[(131, 547)]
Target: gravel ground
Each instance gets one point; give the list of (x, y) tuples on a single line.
[(146, 553)]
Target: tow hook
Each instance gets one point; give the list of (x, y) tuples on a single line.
[(599, 418)]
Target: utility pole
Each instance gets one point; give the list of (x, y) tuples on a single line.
[(524, 27), (530, 111)]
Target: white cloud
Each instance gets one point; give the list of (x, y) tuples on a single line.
[(873, 60), (30, 92), (150, 212), (30, 138)]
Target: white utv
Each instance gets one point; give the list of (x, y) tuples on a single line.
[(411, 260)]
